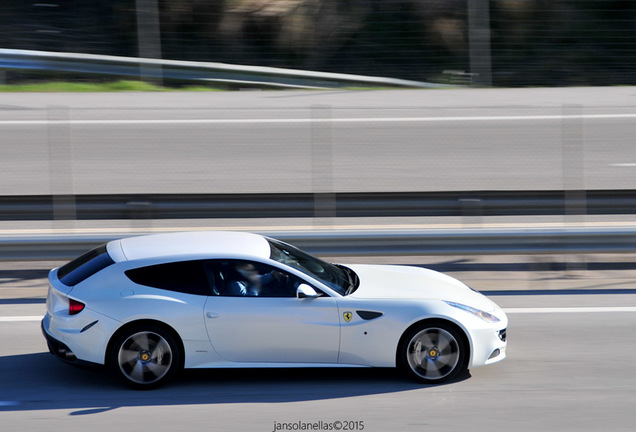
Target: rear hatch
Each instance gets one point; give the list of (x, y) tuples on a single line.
[(63, 279)]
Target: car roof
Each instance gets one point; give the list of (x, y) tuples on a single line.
[(211, 243)]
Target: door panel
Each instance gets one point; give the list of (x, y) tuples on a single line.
[(262, 329)]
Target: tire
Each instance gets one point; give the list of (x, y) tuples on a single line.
[(144, 356), (433, 353)]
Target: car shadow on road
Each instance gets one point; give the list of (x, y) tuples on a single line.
[(32, 382)]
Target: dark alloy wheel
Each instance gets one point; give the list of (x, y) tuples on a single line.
[(433, 353), (144, 356)]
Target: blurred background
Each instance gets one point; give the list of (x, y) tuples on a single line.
[(388, 115), (492, 140), (526, 42)]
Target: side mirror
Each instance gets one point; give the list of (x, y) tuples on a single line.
[(305, 291)]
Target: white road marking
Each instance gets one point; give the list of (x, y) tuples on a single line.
[(624, 165), (21, 318), (315, 120), (563, 310)]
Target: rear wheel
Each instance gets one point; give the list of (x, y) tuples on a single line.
[(433, 353), (144, 356)]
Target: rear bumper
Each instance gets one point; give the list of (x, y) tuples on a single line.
[(85, 334), (62, 351), (57, 348)]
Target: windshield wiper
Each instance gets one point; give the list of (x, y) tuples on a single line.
[(355, 282), (352, 279)]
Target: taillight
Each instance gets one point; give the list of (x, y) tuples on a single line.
[(75, 307)]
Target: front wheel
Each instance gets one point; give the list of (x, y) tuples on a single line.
[(144, 357), (433, 353)]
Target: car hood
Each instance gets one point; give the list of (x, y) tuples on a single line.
[(404, 282)]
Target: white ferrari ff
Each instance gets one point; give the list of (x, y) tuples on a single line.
[(148, 306)]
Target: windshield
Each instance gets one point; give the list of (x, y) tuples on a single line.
[(338, 278)]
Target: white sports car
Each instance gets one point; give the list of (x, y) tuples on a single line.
[(148, 306)]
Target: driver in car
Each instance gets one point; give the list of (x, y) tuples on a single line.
[(251, 283)]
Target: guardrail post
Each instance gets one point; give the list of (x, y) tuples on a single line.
[(140, 213), (574, 172), (471, 208), (573, 163), (322, 162), (479, 42), (149, 39), (61, 164)]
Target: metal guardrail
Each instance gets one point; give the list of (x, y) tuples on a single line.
[(104, 65), (402, 204), (370, 243), (466, 242), (334, 242)]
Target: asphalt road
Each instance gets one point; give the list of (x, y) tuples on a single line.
[(568, 369), (317, 141)]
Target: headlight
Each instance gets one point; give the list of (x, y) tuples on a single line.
[(479, 313)]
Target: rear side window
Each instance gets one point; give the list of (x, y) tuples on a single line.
[(188, 277), (85, 266)]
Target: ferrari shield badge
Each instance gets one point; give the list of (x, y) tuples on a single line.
[(347, 316)]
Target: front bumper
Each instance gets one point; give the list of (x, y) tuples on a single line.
[(489, 346)]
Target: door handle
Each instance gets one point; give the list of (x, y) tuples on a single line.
[(211, 315)]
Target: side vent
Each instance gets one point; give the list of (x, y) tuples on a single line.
[(369, 315)]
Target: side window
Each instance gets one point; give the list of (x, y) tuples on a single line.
[(251, 279), (190, 277)]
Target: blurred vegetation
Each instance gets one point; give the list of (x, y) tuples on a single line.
[(115, 86), (534, 42)]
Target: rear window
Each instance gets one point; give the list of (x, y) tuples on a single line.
[(85, 266), (187, 277)]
